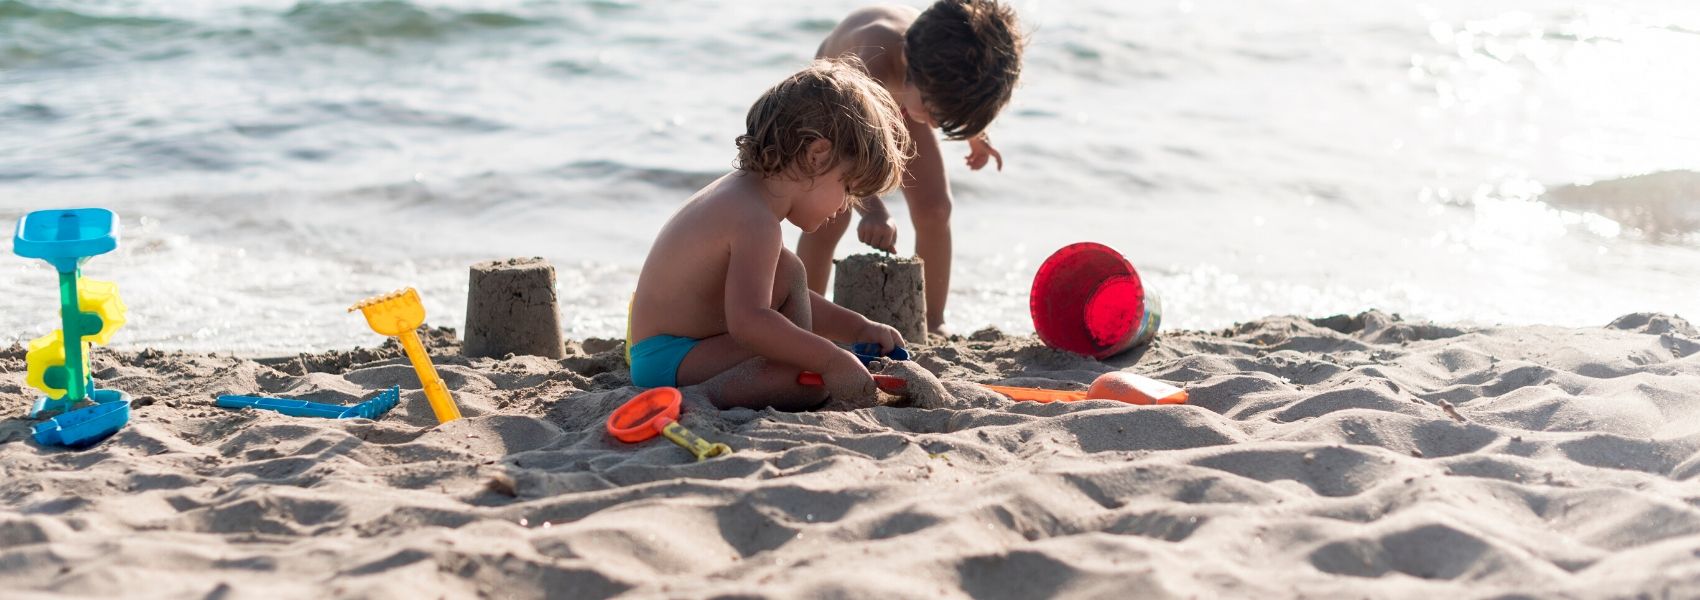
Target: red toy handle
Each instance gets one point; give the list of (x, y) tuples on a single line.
[(888, 383)]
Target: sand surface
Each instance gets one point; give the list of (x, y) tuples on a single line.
[(1343, 457)]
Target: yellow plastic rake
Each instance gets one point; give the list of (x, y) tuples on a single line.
[(397, 314)]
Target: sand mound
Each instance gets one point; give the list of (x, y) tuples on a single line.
[(1348, 456)]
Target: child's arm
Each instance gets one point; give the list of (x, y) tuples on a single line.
[(841, 324), (876, 229), (752, 321)]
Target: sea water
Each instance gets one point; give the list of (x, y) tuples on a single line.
[(275, 161)]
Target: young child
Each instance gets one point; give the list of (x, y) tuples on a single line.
[(953, 67), (720, 297)]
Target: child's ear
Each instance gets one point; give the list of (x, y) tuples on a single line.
[(820, 153)]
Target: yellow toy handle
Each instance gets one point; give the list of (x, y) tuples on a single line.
[(689, 441), (436, 392)]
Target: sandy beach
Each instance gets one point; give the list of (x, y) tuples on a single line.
[(1517, 179), (1352, 456)]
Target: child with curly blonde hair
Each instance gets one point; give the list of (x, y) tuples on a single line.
[(720, 297)]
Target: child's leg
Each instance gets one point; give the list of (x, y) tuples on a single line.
[(815, 250), (759, 383), (735, 376), (928, 193)]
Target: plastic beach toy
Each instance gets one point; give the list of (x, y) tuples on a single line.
[(372, 408), (899, 386), (869, 352), (90, 312), (1036, 394), (87, 425), (1088, 299), (397, 314), (1135, 389), (656, 412), (887, 383), (1118, 386)]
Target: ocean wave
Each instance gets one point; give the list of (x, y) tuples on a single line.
[(42, 34), (607, 170), (17, 13), (35, 35), (359, 23), (382, 112)]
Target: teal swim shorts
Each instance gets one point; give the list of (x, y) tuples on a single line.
[(655, 360)]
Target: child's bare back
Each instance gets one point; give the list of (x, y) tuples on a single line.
[(689, 259)]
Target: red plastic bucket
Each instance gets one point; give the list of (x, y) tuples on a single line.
[(1088, 299)]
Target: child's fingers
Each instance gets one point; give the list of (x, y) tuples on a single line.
[(884, 239)]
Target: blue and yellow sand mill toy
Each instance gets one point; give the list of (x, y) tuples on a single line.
[(89, 311)]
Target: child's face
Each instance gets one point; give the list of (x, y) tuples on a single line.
[(828, 196), (914, 107)]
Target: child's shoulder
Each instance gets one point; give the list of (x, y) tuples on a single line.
[(735, 199), (874, 34), (897, 14), (879, 23)]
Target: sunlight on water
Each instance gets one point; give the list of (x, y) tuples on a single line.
[(273, 160)]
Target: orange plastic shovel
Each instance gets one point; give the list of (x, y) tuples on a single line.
[(898, 386), (887, 383), (1118, 386), (1036, 394)]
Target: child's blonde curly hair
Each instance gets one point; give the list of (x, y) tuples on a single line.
[(837, 101)]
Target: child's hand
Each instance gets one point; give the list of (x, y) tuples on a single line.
[(979, 149), (882, 334), (876, 230), (848, 381)]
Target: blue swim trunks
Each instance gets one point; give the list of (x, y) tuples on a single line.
[(655, 360)]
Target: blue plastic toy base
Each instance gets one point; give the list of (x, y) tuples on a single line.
[(870, 352), (44, 404), (372, 408), (85, 426), (66, 237)]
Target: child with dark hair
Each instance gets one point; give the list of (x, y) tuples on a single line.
[(721, 301), (953, 67)]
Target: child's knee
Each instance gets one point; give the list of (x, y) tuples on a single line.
[(789, 268), (790, 278)]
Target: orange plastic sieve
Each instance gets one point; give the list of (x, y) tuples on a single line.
[(643, 418), (656, 412)]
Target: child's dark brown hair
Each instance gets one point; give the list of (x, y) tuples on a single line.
[(965, 58), (834, 100)]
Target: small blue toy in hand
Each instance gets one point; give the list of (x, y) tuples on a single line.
[(870, 352)]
